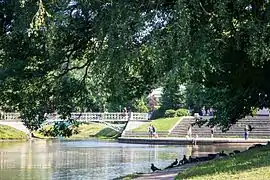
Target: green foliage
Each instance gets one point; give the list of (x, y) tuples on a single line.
[(182, 112), (254, 111), (170, 113), (107, 133), (139, 105), (158, 113), (197, 96), (64, 129), (173, 95), (66, 51), (7, 132)]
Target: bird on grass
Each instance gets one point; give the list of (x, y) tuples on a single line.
[(173, 164), (154, 168)]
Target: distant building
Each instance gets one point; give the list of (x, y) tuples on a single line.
[(157, 93), (154, 98)]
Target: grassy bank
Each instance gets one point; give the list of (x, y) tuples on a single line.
[(248, 165), (85, 131), (94, 130), (10, 133), (162, 124)]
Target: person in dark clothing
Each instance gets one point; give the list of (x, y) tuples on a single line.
[(246, 131), (154, 132)]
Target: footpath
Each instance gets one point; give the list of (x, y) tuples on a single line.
[(190, 141), (168, 174)]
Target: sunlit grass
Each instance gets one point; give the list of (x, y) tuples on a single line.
[(7, 132), (253, 164), (88, 130), (162, 124)]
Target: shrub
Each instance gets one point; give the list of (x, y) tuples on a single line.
[(170, 113), (159, 113), (254, 111), (139, 105), (182, 112)]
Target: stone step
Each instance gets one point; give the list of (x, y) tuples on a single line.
[(261, 124)]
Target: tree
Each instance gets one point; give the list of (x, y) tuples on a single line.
[(56, 54), (228, 55), (173, 95), (139, 105), (121, 50)]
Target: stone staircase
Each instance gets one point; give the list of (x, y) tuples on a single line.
[(261, 124), (181, 129)]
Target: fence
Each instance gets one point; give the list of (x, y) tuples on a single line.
[(86, 116)]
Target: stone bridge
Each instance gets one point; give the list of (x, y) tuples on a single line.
[(116, 121)]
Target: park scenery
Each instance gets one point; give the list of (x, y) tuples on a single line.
[(159, 89)]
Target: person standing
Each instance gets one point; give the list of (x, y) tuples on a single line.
[(154, 132), (212, 132), (189, 131), (246, 131), (150, 130)]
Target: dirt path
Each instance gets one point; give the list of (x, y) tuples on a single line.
[(166, 174)]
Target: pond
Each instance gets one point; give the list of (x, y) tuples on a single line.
[(89, 159)]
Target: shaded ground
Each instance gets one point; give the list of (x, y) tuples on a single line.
[(169, 174)]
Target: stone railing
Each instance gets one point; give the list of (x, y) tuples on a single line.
[(109, 116), (10, 116), (86, 116)]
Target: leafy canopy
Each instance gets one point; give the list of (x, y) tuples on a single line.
[(56, 55)]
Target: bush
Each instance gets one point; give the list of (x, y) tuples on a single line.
[(170, 113), (139, 105), (254, 111), (182, 112), (156, 114)]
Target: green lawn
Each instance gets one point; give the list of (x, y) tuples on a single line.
[(86, 131), (249, 165), (162, 124), (9, 133)]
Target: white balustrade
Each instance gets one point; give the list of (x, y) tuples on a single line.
[(84, 117), (139, 116), (10, 116)]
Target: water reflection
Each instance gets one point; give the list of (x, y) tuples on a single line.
[(91, 159)]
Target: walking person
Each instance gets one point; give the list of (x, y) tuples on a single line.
[(154, 132), (212, 132), (189, 131), (150, 130), (246, 131)]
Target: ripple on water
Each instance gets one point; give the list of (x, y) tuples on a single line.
[(89, 159)]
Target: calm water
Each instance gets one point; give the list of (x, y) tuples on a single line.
[(88, 159)]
